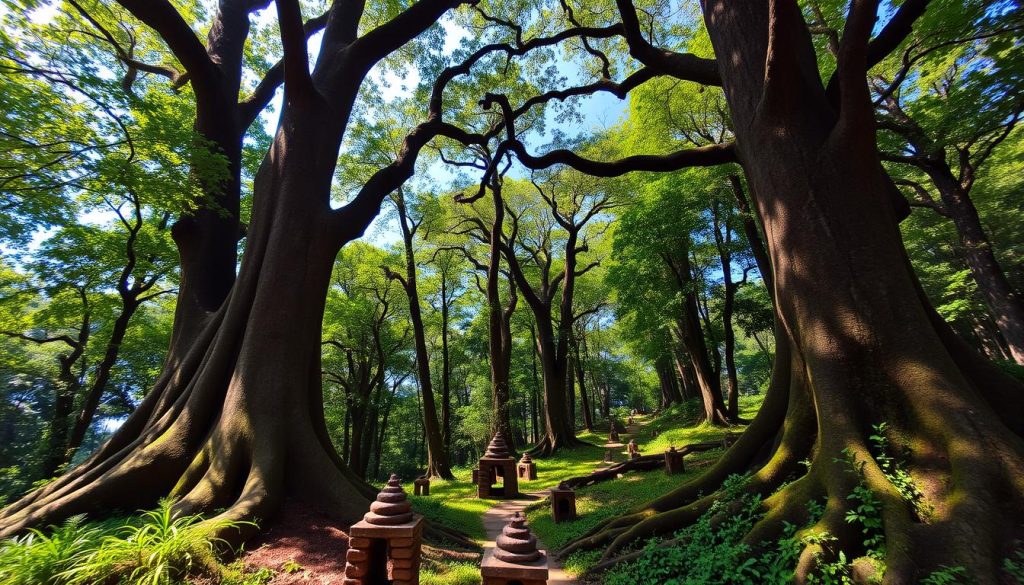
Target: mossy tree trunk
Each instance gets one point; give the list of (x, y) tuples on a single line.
[(235, 421), (858, 342)]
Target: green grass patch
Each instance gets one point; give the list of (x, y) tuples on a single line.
[(608, 499), (454, 503), (451, 574), (153, 548)]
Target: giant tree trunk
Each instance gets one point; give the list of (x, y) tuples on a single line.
[(1004, 303), (236, 422), (861, 342)]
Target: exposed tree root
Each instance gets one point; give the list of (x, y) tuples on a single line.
[(548, 446), (225, 427), (439, 535)]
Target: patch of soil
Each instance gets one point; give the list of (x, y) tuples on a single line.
[(304, 540)]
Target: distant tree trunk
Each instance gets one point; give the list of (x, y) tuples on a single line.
[(753, 235), (437, 457), (558, 428), (389, 400), (68, 388), (534, 399), (348, 425), (1005, 303), (446, 374), (723, 241), (499, 323), (688, 328), (570, 390), (588, 418), (670, 393)]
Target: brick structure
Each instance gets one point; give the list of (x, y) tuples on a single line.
[(527, 468), (563, 504), (421, 487), (613, 434), (497, 463), (384, 548), (515, 560), (673, 461), (609, 449), (634, 451)]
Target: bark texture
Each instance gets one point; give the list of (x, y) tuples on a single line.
[(859, 343)]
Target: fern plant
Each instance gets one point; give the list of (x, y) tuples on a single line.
[(40, 558), (159, 550)]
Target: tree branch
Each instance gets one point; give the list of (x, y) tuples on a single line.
[(274, 77), (298, 85), (162, 17), (685, 66)]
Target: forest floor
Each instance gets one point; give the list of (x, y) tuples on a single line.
[(497, 518), (306, 549)]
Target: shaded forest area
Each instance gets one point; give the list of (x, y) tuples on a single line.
[(256, 253)]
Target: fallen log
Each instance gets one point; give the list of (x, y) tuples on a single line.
[(642, 463)]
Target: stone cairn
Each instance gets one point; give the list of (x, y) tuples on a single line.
[(515, 558), (497, 462), (388, 534), (527, 468), (391, 507)]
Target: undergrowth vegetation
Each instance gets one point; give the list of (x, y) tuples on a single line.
[(151, 548)]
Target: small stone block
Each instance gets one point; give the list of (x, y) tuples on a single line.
[(355, 555), (355, 571), (359, 543), (401, 542), (563, 505), (364, 529), (401, 574), (402, 563), (401, 553), (502, 572)]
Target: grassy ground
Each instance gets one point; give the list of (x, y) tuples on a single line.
[(607, 499), (454, 503)]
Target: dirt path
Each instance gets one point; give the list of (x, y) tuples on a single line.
[(497, 517)]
